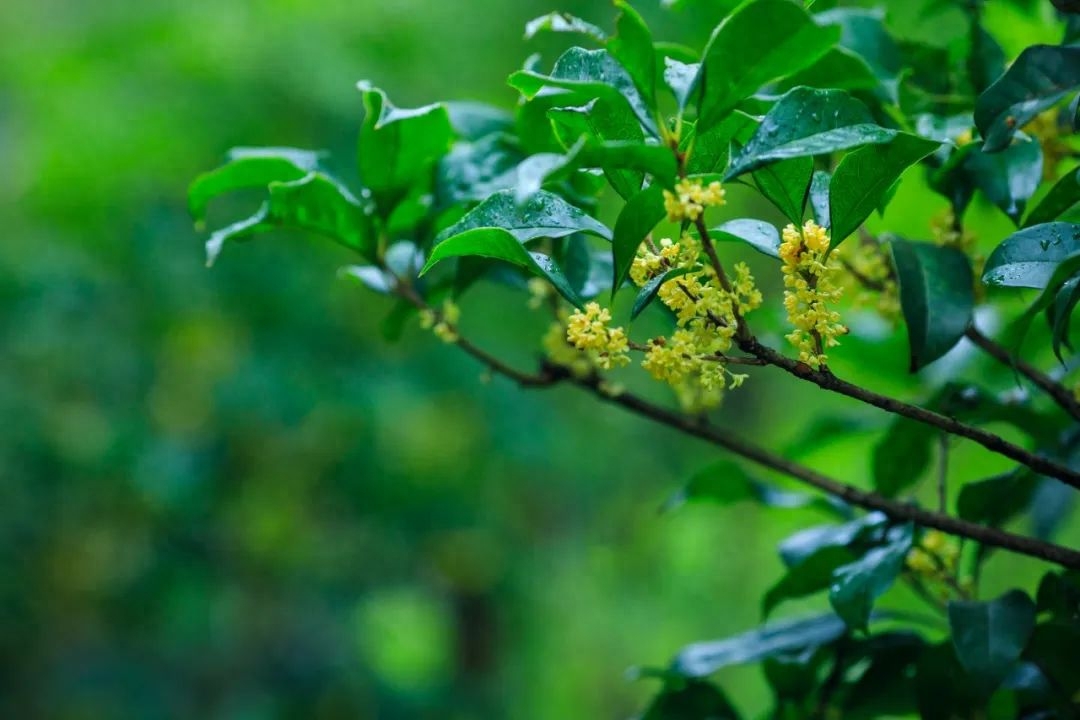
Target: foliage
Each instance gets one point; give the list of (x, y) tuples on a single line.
[(610, 176)]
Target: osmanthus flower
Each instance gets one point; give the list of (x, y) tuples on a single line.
[(444, 322), (867, 276), (690, 199), (935, 558), (590, 331), (810, 287), (1046, 128)]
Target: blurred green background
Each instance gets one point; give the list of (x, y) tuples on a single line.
[(223, 495)]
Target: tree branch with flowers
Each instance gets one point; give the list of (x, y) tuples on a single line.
[(827, 118)]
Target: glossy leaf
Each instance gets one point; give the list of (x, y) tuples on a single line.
[(473, 171), (599, 122), (1039, 78), (989, 637), (857, 586), (863, 33), (807, 122), (632, 46), (838, 69), (594, 73), (997, 500), (474, 120), (1029, 257), (758, 43), (397, 145), (758, 234), (637, 219), (315, 203), (1059, 314), (819, 198), (813, 575), (786, 184), (770, 640), (648, 291), (936, 295), (680, 78), (710, 151), (545, 214), (1008, 178), (498, 244), (249, 168), (862, 181), (797, 548), (1063, 195)]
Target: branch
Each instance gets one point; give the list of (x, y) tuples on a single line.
[(1044, 382), (827, 381)]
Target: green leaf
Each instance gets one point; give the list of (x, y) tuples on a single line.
[(986, 61), (593, 73), (858, 585), (797, 548), (472, 171), (819, 198), (1059, 595), (680, 78), (544, 215), (648, 291), (314, 203), (786, 184), (760, 42), (708, 153), (1053, 648), (863, 33), (1008, 178), (557, 22), (249, 168), (1039, 78), (1029, 257), (1059, 315), (397, 146), (727, 483), (936, 295), (813, 575), (863, 179), (943, 689), (637, 219), (805, 122), (989, 637), (771, 640), (499, 244), (691, 700), (758, 234), (633, 48), (997, 500), (474, 120), (599, 122), (838, 69), (1063, 195)]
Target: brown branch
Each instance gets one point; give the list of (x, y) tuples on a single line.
[(827, 381), (1059, 393)]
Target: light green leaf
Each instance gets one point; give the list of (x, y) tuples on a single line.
[(760, 42), (989, 637), (864, 178), (498, 244), (598, 122), (557, 22), (936, 295), (249, 168), (1008, 178), (807, 122), (545, 214), (633, 48)]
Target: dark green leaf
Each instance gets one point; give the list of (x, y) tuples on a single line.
[(1059, 595), (770, 640), (1059, 314), (886, 688), (786, 184), (638, 218), (473, 171), (806, 122), (633, 48), (1029, 257), (838, 69), (249, 168), (594, 73), (397, 146), (758, 234), (819, 198), (863, 33), (1053, 648), (814, 574), (499, 244), (545, 214), (857, 586), (794, 677), (986, 61), (691, 700), (943, 689), (989, 637), (648, 291), (997, 500), (601, 121), (709, 152), (937, 297), (315, 203), (758, 43), (797, 548), (1051, 506), (863, 179), (557, 22), (1039, 78), (1063, 195), (1008, 178), (680, 77)]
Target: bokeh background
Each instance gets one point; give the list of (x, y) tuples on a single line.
[(224, 495)]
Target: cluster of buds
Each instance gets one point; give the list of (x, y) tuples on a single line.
[(869, 276), (443, 322), (935, 559), (590, 330), (809, 289), (690, 199)]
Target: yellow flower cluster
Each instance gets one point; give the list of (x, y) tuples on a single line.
[(444, 322), (943, 231), (690, 199), (589, 331), (869, 276), (1046, 129), (809, 289), (691, 360), (935, 557)]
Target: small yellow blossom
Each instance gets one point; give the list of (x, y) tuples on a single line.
[(964, 138), (810, 287), (690, 199), (935, 557), (539, 292), (868, 275), (562, 353), (921, 562), (442, 323), (1046, 129), (588, 330)]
